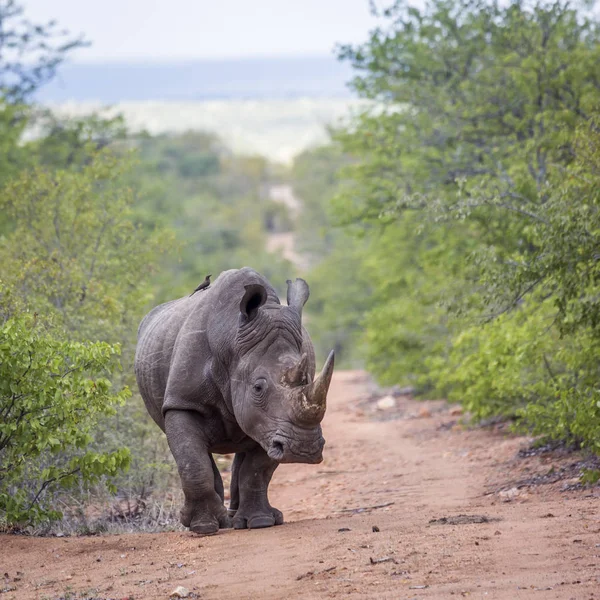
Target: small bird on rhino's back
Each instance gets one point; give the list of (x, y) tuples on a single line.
[(203, 285)]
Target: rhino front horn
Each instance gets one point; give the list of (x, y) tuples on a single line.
[(313, 397)]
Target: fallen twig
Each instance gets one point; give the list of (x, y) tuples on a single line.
[(463, 520), (360, 509), (384, 559), (313, 573)]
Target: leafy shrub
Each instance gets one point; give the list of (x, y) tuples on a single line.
[(498, 368), (519, 366), (52, 395)]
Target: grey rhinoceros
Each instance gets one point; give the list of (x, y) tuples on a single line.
[(230, 369)]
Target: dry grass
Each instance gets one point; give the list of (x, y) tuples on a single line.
[(96, 513)]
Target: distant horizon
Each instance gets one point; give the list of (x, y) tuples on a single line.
[(138, 61), (167, 79)]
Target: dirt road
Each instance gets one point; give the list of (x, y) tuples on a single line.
[(531, 541)]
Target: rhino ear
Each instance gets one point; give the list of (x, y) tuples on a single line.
[(254, 298)]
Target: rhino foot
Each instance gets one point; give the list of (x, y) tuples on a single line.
[(203, 520), (257, 519), (208, 527)]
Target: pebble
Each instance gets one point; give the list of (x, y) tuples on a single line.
[(386, 403), (179, 592)]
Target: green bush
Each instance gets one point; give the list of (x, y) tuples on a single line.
[(52, 396), (498, 368), (519, 366)]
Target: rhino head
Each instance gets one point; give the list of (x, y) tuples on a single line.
[(276, 398)]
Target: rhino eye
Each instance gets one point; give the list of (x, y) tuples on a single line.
[(260, 385)]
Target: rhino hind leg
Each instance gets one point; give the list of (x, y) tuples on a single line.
[(219, 488), (203, 511), (250, 478), (234, 494)]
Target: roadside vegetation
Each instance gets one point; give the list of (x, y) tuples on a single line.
[(473, 197), (97, 225)]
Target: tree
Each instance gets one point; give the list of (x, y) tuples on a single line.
[(473, 180), (75, 251), (475, 93), (540, 361), (30, 53), (13, 154)]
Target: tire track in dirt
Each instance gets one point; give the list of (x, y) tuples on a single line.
[(328, 549)]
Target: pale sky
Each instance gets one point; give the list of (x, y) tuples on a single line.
[(185, 29)]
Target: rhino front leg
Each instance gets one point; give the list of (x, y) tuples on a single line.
[(203, 511), (251, 475)]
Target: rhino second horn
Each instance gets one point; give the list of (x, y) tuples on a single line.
[(295, 375), (313, 397)]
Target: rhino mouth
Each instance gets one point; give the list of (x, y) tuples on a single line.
[(284, 449)]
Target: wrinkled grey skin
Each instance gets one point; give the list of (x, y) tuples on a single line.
[(230, 369)]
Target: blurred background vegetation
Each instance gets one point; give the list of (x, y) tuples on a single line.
[(450, 235)]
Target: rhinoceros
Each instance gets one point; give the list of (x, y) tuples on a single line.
[(232, 370)]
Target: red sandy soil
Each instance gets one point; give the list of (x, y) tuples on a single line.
[(539, 541)]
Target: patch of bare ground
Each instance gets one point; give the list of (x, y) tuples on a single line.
[(405, 505)]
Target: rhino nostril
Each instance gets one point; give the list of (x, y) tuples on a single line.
[(276, 451)]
